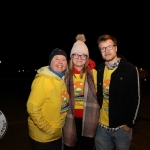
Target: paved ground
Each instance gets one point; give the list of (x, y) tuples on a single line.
[(13, 97)]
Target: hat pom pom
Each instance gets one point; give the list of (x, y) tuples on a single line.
[(80, 37)]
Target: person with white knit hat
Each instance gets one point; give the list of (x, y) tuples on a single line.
[(83, 113), (79, 46)]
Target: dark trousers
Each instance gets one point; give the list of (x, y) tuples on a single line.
[(54, 145), (83, 143)]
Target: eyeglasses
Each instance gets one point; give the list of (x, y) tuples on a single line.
[(76, 56), (109, 47)]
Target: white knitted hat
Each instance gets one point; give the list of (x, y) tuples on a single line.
[(79, 47)]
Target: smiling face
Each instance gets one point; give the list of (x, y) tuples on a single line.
[(79, 62), (109, 55), (59, 63)]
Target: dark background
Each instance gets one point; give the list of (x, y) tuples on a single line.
[(30, 31)]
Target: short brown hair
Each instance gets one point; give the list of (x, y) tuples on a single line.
[(106, 37)]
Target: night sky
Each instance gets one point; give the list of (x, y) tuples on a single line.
[(29, 32)]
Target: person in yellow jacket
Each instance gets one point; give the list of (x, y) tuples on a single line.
[(47, 103)]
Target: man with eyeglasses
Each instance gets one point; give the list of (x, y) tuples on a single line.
[(118, 92)]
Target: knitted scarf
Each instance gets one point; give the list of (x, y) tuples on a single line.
[(90, 113)]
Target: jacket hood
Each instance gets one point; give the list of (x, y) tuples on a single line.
[(91, 64), (45, 71)]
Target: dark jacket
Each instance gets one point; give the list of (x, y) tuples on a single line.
[(124, 93)]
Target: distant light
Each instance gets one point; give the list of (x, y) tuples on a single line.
[(144, 79), (0, 61), (35, 69)]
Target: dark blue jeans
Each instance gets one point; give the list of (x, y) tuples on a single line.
[(107, 140), (54, 145)]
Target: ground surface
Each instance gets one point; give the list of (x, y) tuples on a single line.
[(13, 97)]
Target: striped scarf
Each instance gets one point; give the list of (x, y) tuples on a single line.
[(90, 114)]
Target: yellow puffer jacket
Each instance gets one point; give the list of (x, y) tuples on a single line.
[(47, 106)]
